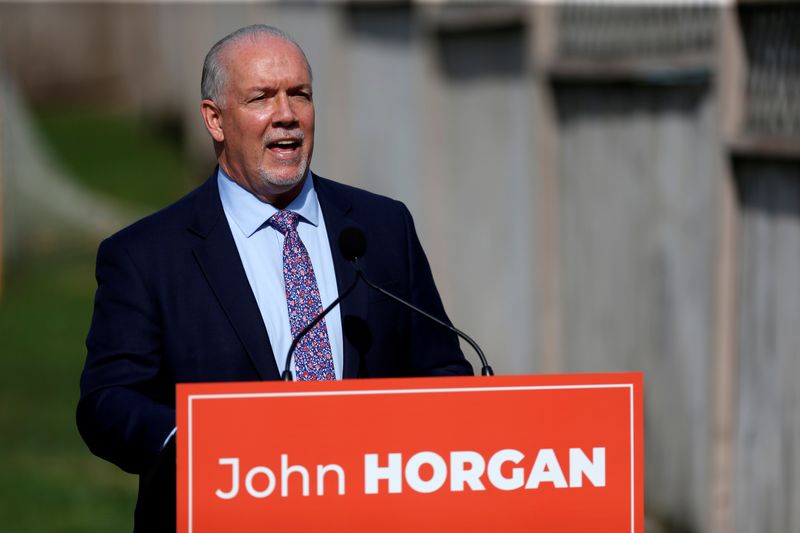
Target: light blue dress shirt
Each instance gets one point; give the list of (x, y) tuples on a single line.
[(261, 251)]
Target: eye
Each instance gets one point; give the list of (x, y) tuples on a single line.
[(261, 95), (304, 94)]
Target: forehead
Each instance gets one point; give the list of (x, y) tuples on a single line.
[(264, 57)]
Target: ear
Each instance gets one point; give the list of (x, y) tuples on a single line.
[(212, 117)]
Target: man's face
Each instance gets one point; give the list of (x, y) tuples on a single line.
[(267, 120)]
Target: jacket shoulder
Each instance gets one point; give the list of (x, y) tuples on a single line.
[(164, 224), (357, 198)]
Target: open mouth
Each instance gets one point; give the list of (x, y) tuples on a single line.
[(284, 146)]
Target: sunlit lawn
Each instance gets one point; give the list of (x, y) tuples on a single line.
[(50, 481), (117, 155)]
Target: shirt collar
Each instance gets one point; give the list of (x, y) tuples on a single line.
[(251, 213)]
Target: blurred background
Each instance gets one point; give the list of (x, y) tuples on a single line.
[(600, 187)]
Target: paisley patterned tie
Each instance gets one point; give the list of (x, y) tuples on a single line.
[(312, 357)]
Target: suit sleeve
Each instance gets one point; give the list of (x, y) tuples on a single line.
[(434, 350), (121, 414)]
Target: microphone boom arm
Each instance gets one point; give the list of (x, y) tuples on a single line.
[(353, 245), (486, 369)]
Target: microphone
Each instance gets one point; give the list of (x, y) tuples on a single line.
[(352, 248), (353, 244)]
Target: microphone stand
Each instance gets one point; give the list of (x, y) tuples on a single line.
[(486, 369), (353, 245)]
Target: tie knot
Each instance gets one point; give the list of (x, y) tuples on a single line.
[(284, 221)]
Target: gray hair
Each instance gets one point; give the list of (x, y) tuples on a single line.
[(215, 73)]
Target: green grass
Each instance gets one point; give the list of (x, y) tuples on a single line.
[(50, 480), (116, 154)]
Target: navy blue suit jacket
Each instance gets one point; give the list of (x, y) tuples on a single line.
[(174, 305)]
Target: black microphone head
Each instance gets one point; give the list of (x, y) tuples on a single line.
[(352, 243)]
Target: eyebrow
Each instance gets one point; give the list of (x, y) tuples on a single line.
[(256, 88)]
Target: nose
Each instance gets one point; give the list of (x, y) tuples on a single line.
[(284, 114)]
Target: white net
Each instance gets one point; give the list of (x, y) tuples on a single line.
[(772, 42), (594, 31)]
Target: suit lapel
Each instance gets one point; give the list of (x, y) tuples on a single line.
[(337, 209), (219, 260)]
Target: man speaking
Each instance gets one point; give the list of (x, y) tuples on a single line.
[(216, 286)]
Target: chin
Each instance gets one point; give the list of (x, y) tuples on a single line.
[(281, 180)]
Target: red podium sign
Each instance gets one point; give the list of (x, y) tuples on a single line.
[(505, 453)]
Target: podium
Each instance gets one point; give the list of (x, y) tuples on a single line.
[(554, 453)]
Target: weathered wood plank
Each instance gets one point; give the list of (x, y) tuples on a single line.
[(637, 171), (766, 483)]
